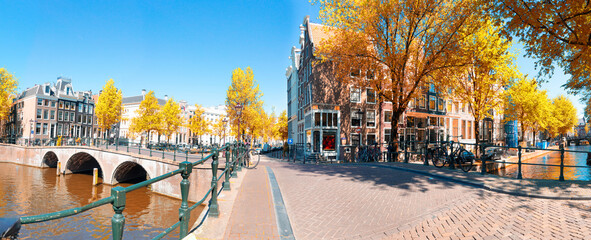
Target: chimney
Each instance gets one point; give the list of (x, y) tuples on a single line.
[(165, 97), (143, 92)]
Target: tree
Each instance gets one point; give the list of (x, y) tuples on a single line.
[(197, 124), (554, 32), (564, 116), (401, 45), (8, 86), (171, 119), (149, 119), (281, 126), (244, 91), (219, 127), (108, 108), (480, 84), (525, 103)]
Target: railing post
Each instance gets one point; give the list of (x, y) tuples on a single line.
[(139, 149), (452, 161), (174, 154), (107, 144), (239, 159), (162, 154), (561, 178), (214, 210), (519, 163), (228, 172), (405, 145), (117, 144), (151, 152), (118, 220), (234, 152), (426, 163), (482, 160), (127, 146), (185, 215), (187, 155)]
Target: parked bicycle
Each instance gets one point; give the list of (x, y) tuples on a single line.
[(368, 153), (458, 155), (250, 158)]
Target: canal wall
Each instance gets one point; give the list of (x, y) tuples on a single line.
[(112, 163), (525, 157)]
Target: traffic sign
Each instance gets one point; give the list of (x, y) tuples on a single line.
[(289, 141)]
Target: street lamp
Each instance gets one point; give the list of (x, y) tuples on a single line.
[(31, 121), (238, 108), (225, 120)]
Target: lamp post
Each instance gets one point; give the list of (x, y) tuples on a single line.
[(238, 108), (31, 121), (225, 120)]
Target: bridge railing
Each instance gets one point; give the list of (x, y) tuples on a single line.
[(417, 151), (233, 162)]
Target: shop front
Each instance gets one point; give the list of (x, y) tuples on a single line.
[(322, 136)]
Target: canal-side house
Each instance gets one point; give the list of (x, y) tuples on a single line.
[(291, 73), (33, 116), (332, 116), (75, 111)]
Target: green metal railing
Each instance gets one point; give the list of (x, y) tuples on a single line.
[(118, 194), (408, 148)]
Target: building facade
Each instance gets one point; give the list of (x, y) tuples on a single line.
[(44, 112)]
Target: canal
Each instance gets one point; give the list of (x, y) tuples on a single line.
[(549, 172), (26, 191)]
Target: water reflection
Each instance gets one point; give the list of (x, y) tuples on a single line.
[(551, 172), (28, 191)]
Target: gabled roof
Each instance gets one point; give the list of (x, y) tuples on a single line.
[(317, 32)]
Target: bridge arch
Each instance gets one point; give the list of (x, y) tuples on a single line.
[(83, 162), (129, 172), (50, 159)]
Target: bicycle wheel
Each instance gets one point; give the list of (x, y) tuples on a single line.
[(252, 159), (439, 157), (466, 160)]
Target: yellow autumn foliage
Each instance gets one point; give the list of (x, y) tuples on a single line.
[(8, 86), (245, 91), (108, 108)]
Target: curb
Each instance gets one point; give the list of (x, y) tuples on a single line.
[(480, 185)]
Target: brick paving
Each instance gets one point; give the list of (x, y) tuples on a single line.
[(372, 202), (253, 213)]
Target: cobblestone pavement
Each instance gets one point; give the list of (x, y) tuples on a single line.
[(369, 202)]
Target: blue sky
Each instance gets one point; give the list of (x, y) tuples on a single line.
[(184, 49)]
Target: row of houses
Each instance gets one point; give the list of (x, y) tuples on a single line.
[(328, 116), (42, 113)]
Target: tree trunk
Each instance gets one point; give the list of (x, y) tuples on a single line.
[(522, 133), (534, 141), (393, 145), (477, 136)]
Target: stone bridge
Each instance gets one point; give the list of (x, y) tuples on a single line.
[(114, 166)]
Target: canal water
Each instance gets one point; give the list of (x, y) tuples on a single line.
[(550, 172), (26, 191)]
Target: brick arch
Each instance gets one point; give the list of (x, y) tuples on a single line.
[(50, 159), (83, 162), (131, 172)]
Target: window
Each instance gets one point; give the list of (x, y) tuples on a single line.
[(38, 128), (46, 89), (355, 73), (39, 114), (328, 141), (388, 116), (66, 116), (432, 102), (355, 139), (40, 102), (411, 103), (80, 107), (45, 114), (91, 107), (356, 115), (449, 106), (52, 115), (441, 104), (61, 105), (371, 96), (325, 119), (317, 119), (60, 115), (433, 121), (47, 102), (371, 139), (72, 117), (355, 95), (387, 135), (369, 75), (422, 102), (371, 118)]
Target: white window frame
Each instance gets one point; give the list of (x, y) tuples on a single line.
[(353, 89), (367, 118), (375, 97)]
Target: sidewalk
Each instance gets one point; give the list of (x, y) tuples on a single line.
[(548, 189)]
